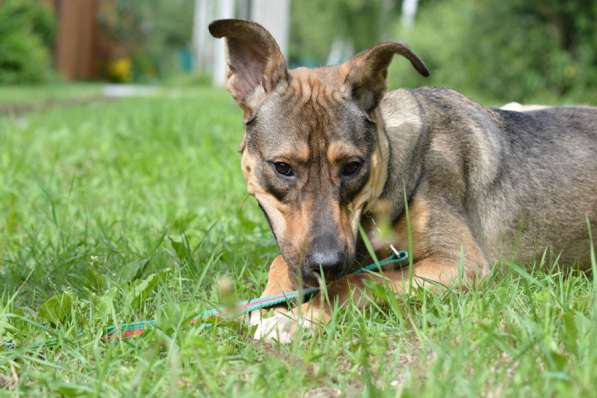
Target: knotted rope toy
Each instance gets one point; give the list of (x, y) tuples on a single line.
[(248, 306)]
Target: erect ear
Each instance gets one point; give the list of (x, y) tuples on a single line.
[(367, 72), (255, 63)]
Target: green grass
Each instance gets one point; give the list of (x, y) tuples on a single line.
[(99, 201)]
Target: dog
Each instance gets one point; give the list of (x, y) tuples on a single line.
[(471, 186)]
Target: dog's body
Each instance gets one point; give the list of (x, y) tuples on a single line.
[(324, 146), (521, 182)]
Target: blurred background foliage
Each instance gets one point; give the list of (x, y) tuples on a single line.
[(27, 32), (492, 50), (317, 24), (499, 51), (153, 36)]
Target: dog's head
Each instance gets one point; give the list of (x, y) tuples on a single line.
[(313, 154)]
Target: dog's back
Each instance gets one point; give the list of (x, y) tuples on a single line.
[(548, 180), (526, 179)]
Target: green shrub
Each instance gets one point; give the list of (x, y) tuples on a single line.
[(33, 15), (499, 51), (26, 36), (23, 59)]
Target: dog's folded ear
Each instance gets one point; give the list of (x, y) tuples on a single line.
[(255, 63), (367, 72)]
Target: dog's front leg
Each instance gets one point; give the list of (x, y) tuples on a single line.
[(283, 324), (279, 280)]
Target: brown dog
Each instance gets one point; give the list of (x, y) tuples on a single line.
[(323, 147)]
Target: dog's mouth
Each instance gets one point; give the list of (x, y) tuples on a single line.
[(316, 279), (310, 279)]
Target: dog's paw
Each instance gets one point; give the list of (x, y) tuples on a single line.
[(255, 317), (281, 327)]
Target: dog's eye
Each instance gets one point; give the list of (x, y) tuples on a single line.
[(284, 169), (351, 168)]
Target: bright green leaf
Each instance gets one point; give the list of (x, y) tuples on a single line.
[(57, 308)]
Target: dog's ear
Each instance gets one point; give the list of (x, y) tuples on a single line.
[(367, 71), (255, 63)]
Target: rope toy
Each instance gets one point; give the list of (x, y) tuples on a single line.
[(248, 306)]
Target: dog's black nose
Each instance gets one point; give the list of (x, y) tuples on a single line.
[(327, 255), (326, 261)]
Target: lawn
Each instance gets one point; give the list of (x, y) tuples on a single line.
[(134, 209)]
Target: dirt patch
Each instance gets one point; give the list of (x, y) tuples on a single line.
[(9, 382), (323, 392), (20, 109)]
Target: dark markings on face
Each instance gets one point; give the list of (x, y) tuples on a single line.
[(269, 221), (323, 146)]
